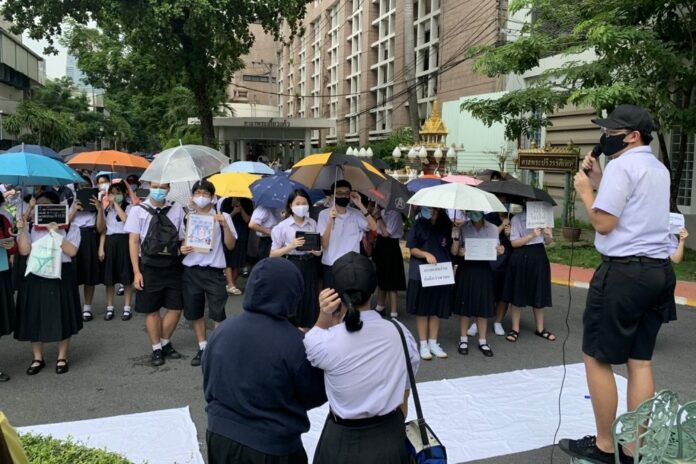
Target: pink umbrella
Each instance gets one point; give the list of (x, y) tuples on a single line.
[(466, 180)]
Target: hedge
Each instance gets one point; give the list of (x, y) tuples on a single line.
[(47, 450)]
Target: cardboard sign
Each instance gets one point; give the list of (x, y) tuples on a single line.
[(433, 275), (312, 241), (676, 223), (539, 215), (199, 232), (480, 249), (46, 214)]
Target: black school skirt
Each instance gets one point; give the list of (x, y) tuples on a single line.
[(48, 310), (7, 304), (390, 264), (528, 277), (308, 307), (117, 263), (87, 266), (429, 301), (474, 290)]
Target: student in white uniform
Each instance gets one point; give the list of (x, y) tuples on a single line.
[(387, 256), (262, 221), (203, 277)]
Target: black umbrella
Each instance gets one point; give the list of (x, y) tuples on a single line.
[(379, 163), (515, 191), (391, 194), (487, 174)]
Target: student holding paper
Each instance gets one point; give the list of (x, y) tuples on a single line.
[(429, 242), (528, 279), (8, 247), (474, 291), (286, 243)]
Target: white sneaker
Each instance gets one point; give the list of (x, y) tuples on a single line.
[(425, 353), (473, 330), (436, 350), (498, 329)]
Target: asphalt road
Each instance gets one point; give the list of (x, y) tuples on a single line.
[(110, 372)]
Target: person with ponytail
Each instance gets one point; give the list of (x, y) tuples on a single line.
[(365, 372), (286, 243)]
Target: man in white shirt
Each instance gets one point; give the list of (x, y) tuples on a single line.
[(262, 221), (342, 227)]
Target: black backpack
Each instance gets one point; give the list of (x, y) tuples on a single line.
[(160, 248)]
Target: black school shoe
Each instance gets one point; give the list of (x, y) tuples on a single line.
[(157, 358), (4, 377), (169, 351), (586, 448), (196, 361)]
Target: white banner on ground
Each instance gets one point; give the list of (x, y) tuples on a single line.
[(539, 215), (433, 275)]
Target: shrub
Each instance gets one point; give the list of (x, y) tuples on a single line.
[(47, 450)]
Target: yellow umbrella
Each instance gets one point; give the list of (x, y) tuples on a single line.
[(233, 184), (322, 170)]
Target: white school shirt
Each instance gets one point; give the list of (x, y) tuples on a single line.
[(346, 235), (139, 219), (216, 256), (365, 371), (518, 226), (284, 233), (85, 219), (468, 230), (394, 223), (635, 189), (72, 235), (265, 217), (113, 225)]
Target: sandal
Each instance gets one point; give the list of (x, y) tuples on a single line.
[(512, 336), (109, 315), (486, 350), (33, 370), (463, 348), (545, 334), (126, 316), (87, 316), (233, 290), (62, 366)]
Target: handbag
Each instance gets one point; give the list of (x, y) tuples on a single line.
[(421, 442)]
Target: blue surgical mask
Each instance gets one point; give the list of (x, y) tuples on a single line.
[(426, 213), (158, 194), (475, 216)]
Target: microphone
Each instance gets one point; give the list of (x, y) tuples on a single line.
[(596, 151)]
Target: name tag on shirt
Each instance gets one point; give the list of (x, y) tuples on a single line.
[(433, 275), (480, 249)]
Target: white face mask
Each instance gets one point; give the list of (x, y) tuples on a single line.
[(104, 186), (300, 211), (201, 202)]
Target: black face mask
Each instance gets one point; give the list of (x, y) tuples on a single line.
[(342, 202), (612, 144)]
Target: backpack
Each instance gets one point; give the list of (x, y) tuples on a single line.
[(160, 247)]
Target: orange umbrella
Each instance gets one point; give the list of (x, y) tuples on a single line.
[(108, 159)]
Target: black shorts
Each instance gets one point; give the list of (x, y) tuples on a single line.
[(201, 284), (161, 289), (626, 304)]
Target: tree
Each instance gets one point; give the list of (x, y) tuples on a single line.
[(195, 43), (644, 53), (36, 124)]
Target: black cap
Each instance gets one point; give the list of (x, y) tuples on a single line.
[(628, 117), (354, 272)]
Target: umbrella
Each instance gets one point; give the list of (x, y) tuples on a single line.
[(108, 159), (421, 183), (379, 163), (35, 149), (250, 167), (516, 191), (184, 163), (180, 192), (457, 196), (67, 153), (322, 170), (467, 180), (392, 194), (273, 191), (21, 168), (486, 175), (233, 184)]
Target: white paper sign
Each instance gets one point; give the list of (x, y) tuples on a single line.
[(539, 215), (433, 275), (676, 223), (480, 249)]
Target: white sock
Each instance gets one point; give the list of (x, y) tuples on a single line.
[(126, 309), (164, 341), (423, 344), (202, 345), (432, 342), (379, 308), (87, 308), (482, 341), (109, 309), (156, 347), (464, 340)]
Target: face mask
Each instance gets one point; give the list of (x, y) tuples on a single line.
[(300, 211), (118, 199), (426, 213), (475, 216), (158, 194), (201, 202), (342, 202), (612, 144), (104, 186)]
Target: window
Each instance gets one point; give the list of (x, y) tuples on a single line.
[(332, 85), (427, 33), (256, 78), (384, 67), (354, 45), (685, 185)]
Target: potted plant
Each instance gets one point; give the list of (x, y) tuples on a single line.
[(571, 231)]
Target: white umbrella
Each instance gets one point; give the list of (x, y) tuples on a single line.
[(185, 163), (180, 192), (457, 196)]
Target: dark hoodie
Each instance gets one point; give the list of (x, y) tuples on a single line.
[(257, 381)]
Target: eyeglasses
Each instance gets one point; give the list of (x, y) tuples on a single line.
[(342, 194), (610, 132)]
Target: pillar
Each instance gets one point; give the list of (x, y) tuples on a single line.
[(307, 142)]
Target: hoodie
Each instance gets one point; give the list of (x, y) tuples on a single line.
[(257, 381)]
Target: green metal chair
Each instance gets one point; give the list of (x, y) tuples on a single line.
[(682, 448)]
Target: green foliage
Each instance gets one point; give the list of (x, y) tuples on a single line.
[(383, 148), (36, 124), (47, 450)]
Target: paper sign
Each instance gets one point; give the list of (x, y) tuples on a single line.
[(480, 249), (199, 232), (433, 275), (46, 214), (4, 263), (539, 215), (676, 223)]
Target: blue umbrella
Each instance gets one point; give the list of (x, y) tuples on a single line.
[(417, 184), (36, 149), (32, 169), (273, 191), (250, 167)]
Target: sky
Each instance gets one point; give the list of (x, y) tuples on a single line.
[(55, 64)]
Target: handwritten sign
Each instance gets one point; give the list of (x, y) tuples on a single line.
[(539, 215), (676, 223), (480, 249), (199, 232), (433, 275), (46, 214)]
